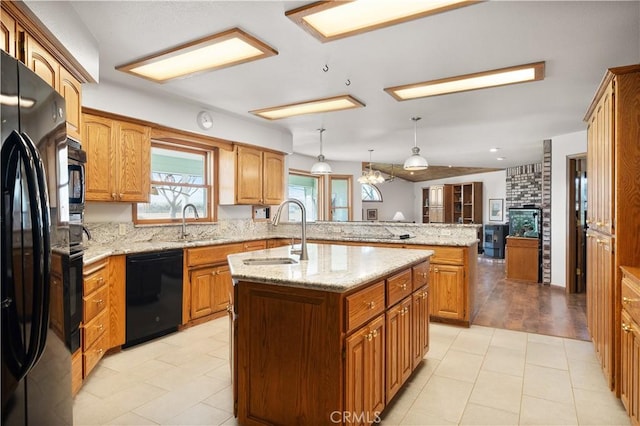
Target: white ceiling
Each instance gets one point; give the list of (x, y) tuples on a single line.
[(577, 39)]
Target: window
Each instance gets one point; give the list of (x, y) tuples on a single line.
[(306, 188), (340, 193), (179, 175), (371, 193)]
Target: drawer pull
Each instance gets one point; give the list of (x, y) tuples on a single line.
[(424, 294), (100, 327), (402, 286), (99, 301), (101, 280), (424, 275), (374, 333), (628, 301), (435, 270), (368, 336), (626, 328), (370, 305), (100, 351)]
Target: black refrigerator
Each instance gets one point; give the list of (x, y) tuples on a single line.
[(36, 362)]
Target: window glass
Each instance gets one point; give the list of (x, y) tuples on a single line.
[(340, 192), (370, 193), (306, 189), (179, 176)]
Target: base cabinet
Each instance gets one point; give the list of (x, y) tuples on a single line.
[(630, 343), (447, 292), (334, 358)]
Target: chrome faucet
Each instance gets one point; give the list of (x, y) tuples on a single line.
[(184, 223), (276, 219)]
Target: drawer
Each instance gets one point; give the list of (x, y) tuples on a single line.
[(398, 287), (631, 298), (91, 356), (447, 255), (95, 275), (94, 303), (420, 275), (255, 245), (364, 305), (94, 328), (212, 254)]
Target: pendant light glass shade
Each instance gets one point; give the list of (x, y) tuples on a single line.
[(369, 176), (321, 167), (416, 161)]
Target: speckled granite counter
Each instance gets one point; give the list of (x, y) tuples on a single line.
[(336, 268)]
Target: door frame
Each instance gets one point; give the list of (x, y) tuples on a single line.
[(571, 255)]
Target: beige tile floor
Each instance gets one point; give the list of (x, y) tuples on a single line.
[(475, 376)]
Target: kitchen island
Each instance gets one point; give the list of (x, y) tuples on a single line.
[(329, 340)]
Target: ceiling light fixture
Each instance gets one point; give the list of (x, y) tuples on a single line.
[(335, 103), (494, 149), (416, 161), (328, 20), (216, 51), (321, 167), (463, 83), (369, 176)]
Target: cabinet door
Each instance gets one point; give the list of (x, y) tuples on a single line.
[(42, 63), (98, 141), (133, 168), (202, 291), (447, 291), (71, 91), (399, 357), (222, 288), (8, 33), (249, 176), (420, 326), (364, 371), (273, 178), (626, 362), (436, 196)]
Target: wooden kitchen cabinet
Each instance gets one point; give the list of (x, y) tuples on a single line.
[(467, 202), (251, 176), (630, 343), (440, 204), (8, 33), (447, 292), (71, 90), (420, 327), (208, 288), (613, 213), (365, 371), (118, 160), (399, 360), (95, 316)]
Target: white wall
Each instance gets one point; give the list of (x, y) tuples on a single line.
[(562, 147), (396, 196), (494, 185)]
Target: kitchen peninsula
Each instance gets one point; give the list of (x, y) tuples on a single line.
[(328, 340)]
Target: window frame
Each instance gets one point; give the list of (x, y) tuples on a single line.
[(377, 190), (210, 175), (321, 190), (349, 207)]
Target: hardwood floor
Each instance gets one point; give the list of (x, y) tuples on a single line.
[(521, 306)]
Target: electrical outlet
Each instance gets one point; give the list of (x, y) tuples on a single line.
[(122, 229)]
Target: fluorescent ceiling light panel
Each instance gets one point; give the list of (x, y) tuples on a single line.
[(330, 20), (336, 103), (231, 47), (463, 83)]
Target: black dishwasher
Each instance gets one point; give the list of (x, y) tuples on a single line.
[(154, 295)]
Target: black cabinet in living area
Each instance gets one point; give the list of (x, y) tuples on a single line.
[(495, 237)]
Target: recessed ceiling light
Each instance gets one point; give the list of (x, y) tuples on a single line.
[(494, 149), (335, 103), (329, 20), (463, 83), (216, 51), (500, 158)]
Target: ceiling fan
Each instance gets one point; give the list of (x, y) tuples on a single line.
[(391, 177)]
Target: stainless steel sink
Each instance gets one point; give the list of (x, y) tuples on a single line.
[(270, 261)]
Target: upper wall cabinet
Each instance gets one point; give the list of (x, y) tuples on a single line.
[(251, 176), (19, 43), (118, 160)]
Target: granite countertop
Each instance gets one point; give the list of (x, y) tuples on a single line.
[(335, 268)]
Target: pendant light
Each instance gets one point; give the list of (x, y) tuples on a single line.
[(321, 167), (369, 176), (416, 161)]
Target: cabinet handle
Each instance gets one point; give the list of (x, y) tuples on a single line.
[(100, 351), (370, 305), (424, 275), (402, 286), (368, 336), (113, 195), (628, 301), (101, 280), (424, 294), (375, 333), (598, 223), (100, 327), (626, 328), (435, 270), (120, 196), (99, 301)]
